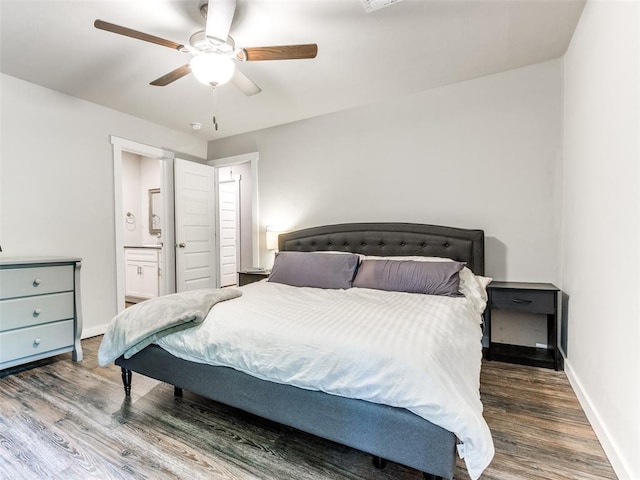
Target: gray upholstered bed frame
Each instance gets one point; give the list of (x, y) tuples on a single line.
[(386, 432)]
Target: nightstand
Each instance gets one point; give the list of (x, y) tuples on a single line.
[(534, 298), (246, 277)]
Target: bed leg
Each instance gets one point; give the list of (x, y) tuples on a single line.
[(126, 381), (379, 462), (430, 476), (177, 391)]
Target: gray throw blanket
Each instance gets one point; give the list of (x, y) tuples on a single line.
[(142, 324)]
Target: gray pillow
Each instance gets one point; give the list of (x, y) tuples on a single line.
[(433, 278), (314, 269)]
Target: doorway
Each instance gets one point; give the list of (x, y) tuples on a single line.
[(244, 168), (229, 220), (123, 148)]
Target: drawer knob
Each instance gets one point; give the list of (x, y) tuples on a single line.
[(36, 342), (37, 312), (37, 282), (521, 301)]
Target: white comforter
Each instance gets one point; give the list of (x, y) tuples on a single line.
[(355, 343)]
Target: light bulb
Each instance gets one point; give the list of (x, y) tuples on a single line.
[(212, 68)]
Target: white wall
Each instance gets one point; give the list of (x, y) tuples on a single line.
[(56, 182), (131, 202), (139, 175), (601, 237), (478, 154)]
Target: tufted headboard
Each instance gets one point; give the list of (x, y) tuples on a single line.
[(391, 239)]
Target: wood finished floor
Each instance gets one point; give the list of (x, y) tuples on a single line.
[(65, 420)]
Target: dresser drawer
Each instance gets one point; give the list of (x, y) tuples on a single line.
[(524, 300), (29, 311), (22, 282), (31, 341)]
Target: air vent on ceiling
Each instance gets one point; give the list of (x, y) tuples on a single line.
[(372, 5)]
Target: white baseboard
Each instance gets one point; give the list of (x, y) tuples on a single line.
[(609, 445), (94, 331)]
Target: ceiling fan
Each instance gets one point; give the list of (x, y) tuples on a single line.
[(214, 51)]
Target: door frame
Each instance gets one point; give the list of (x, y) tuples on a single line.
[(251, 158), (167, 253)]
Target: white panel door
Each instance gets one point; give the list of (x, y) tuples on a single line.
[(195, 226), (229, 227)]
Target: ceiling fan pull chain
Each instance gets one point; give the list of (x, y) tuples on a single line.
[(215, 106)]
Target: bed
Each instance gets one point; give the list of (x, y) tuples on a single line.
[(387, 432)]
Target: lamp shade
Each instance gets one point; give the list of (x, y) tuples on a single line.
[(212, 68), (272, 238)]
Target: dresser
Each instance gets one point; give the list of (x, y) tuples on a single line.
[(40, 310)]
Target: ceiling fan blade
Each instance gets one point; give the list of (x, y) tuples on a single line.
[(219, 17), (244, 83), (172, 76), (127, 32), (282, 52)]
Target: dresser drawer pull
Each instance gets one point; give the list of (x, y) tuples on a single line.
[(37, 282), (37, 342), (37, 312), (521, 301)]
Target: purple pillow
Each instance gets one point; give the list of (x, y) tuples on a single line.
[(433, 278), (314, 269)]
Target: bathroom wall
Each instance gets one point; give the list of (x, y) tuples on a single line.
[(139, 174), (150, 177)]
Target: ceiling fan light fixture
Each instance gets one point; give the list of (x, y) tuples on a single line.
[(212, 68)]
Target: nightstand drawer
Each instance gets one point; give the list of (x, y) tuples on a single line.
[(524, 301), (29, 311), (27, 342), (22, 282)]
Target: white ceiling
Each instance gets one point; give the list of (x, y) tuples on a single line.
[(363, 58)]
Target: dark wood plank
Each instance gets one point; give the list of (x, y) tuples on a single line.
[(65, 420)]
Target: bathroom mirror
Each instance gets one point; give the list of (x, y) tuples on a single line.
[(155, 208)]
